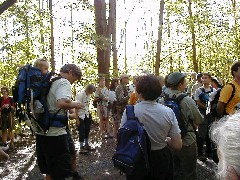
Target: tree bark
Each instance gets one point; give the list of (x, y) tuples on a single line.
[(113, 12), (6, 4), (100, 21), (159, 41), (191, 26), (52, 37)]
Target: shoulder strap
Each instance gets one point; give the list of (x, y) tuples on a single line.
[(180, 97), (202, 89), (233, 93), (130, 112)]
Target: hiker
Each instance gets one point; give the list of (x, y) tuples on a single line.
[(84, 118), (101, 97), (190, 85), (202, 95), (42, 64), (155, 116), (223, 106), (186, 158), (7, 117), (197, 85), (52, 147), (113, 101), (225, 133), (122, 95)]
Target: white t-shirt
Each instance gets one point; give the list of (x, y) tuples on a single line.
[(60, 89), (112, 96), (82, 97), (159, 121)]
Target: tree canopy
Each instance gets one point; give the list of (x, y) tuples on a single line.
[(121, 37)]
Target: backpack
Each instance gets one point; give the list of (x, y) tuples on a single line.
[(29, 94), (174, 104), (133, 146), (214, 102), (204, 96)]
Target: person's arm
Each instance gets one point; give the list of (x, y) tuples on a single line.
[(77, 117), (220, 108), (175, 142), (68, 104), (201, 105)]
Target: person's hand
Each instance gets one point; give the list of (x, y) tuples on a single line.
[(77, 122), (5, 106), (78, 105)]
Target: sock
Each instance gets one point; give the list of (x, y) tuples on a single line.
[(86, 141), (81, 144)]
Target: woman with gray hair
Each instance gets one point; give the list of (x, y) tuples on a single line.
[(225, 133)]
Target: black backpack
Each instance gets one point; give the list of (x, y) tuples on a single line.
[(174, 104), (133, 146), (214, 102)]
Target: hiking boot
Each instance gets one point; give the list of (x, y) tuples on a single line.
[(109, 135), (89, 148), (83, 151), (5, 147), (202, 157)]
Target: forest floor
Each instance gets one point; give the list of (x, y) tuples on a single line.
[(97, 165)]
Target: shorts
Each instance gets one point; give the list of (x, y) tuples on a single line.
[(54, 156), (6, 121), (71, 144), (102, 111)]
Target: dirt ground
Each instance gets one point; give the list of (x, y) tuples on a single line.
[(95, 166)]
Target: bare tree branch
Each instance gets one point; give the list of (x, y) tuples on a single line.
[(6, 4)]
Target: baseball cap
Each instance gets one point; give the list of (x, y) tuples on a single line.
[(124, 76), (174, 78)]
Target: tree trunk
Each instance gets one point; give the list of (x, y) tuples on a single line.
[(159, 41), (6, 4), (191, 26), (100, 21), (52, 37), (113, 13)]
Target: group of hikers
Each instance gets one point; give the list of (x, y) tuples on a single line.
[(207, 110)]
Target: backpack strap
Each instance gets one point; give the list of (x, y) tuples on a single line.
[(130, 112), (202, 89), (180, 97), (232, 95), (190, 121)]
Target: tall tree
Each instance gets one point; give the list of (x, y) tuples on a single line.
[(104, 30), (159, 44), (52, 37), (191, 26)]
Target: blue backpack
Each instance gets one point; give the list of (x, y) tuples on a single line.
[(174, 104), (133, 146), (30, 86)]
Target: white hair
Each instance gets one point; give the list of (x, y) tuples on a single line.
[(226, 134)]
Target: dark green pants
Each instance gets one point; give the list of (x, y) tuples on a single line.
[(185, 163)]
